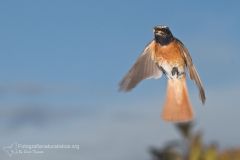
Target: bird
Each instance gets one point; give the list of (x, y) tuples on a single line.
[(167, 55)]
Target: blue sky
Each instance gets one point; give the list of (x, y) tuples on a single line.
[(61, 61)]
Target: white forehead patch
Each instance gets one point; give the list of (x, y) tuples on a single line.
[(161, 26)]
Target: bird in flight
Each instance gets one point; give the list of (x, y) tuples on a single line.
[(167, 55)]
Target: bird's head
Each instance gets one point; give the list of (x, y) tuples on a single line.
[(162, 34), (162, 30)]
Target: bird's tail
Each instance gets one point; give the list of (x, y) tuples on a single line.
[(177, 107)]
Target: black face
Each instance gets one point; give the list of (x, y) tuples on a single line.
[(163, 35)]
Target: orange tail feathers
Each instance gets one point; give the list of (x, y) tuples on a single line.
[(177, 107)]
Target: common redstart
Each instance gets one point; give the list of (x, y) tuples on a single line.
[(167, 55)]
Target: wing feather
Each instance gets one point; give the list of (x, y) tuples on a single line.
[(192, 70), (144, 68)]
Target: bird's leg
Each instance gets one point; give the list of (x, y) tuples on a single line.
[(175, 71), (181, 74), (164, 71)]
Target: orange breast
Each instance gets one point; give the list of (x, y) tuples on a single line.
[(170, 53)]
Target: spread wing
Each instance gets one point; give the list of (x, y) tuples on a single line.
[(192, 70), (144, 68)]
